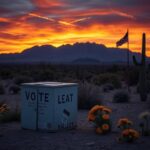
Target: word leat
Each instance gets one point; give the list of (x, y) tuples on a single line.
[(44, 97), (65, 98)]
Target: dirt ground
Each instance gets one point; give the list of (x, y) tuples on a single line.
[(12, 137)]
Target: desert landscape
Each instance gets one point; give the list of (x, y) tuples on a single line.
[(100, 90), (74, 75)]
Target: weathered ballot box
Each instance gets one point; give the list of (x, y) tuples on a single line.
[(49, 105)]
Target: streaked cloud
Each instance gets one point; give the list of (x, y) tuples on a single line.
[(11, 8)]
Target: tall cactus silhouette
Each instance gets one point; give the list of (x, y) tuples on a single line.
[(142, 70)]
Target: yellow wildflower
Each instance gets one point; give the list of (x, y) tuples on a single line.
[(124, 121), (99, 130), (96, 108), (105, 127), (105, 117), (130, 132), (91, 114), (91, 117), (107, 110), (125, 132), (134, 133)]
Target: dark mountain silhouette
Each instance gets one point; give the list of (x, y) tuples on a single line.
[(86, 61), (77, 53)]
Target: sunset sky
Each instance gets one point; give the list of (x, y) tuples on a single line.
[(26, 23)]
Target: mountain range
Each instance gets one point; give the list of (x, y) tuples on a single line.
[(78, 53)]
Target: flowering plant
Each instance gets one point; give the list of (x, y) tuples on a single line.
[(100, 115), (4, 108), (124, 123), (127, 133), (145, 118)]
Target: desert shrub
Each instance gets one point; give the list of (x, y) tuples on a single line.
[(108, 78), (144, 124), (6, 115), (133, 77), (121, 97), (22, 79), (107, 87), (6, 74), (88, 96), (147, 87), (14, 89), (2, 90), (9, 116), (44, 75), (116, 82), (1, 104)]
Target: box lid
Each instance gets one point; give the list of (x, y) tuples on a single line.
[(49, 84)]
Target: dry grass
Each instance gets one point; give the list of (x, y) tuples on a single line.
[(89, 95)]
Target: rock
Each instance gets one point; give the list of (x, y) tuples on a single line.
[(1, 135), (90, 143)]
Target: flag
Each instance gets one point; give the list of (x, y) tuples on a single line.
[(123, 40)]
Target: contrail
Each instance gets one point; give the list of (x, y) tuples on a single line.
[(60, 22), (66, 23), (123, 14), (50, 19), (42, 17), (79, 20)]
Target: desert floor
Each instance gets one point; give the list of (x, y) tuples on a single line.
[(12, 137)]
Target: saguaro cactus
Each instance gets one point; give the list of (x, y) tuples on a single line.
[(142, 70)]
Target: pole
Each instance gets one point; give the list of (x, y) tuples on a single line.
[(37, 112), (128, 62)]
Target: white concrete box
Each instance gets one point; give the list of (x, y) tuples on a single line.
[(49, 105)]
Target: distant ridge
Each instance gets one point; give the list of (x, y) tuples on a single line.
[(88, 53), (86, 61)]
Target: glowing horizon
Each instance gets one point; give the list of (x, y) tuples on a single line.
[(59, 22)]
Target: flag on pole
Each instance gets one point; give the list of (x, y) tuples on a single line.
[(123, 40)]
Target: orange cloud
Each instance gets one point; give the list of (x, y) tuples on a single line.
[(47, 3)]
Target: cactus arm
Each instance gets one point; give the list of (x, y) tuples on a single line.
[(142, 81), (143, 49), (142, 70), (135, 61)]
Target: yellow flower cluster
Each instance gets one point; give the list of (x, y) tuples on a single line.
[(100, 116), (104, 128), (4, 108), (128, 134), (93, 112), (105, 117), (124, 121)]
